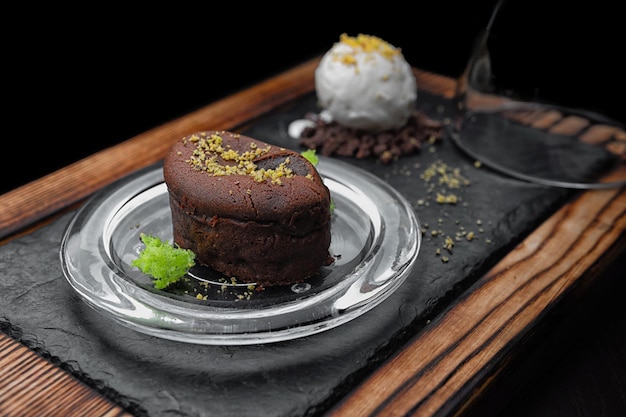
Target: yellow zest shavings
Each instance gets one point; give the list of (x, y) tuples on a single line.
[(365, 44)]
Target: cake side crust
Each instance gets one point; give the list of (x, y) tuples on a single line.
[(267, 223)]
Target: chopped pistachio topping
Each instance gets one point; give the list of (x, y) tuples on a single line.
[(446, 199), (445, 175), (210, 148)]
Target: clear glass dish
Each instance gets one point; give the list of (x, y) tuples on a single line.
[(375, 240), (531, 107)]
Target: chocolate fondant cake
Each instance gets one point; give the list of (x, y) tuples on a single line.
[(249, 210)]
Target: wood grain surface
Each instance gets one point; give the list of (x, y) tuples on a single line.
[(440, 372), (444, 369), (33, 387)]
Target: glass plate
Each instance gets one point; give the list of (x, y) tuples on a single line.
[(375, 241)]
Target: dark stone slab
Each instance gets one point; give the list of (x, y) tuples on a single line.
[(156, 377)]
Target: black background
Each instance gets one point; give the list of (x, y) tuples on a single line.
[(80, 80)]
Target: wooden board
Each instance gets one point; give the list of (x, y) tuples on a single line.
[(441, 371)]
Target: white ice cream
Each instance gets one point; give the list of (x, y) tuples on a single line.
[(365, 83)]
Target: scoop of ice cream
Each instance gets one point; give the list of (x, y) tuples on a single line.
[(365, 83)]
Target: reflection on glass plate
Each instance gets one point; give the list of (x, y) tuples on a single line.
[(375, 241)]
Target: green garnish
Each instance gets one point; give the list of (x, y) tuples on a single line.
[(165, 263), (311, 156)]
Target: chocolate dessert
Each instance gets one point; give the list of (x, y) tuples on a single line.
[(332, 138), (367, 92), (249, 210)]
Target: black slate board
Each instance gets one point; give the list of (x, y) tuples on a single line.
[(304, 377)]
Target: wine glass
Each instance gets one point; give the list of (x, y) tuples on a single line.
[(526, 103)]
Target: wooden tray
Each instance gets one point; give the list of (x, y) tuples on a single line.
[(441, 370)]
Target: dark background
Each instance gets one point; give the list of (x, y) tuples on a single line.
[(80, 80), (88, 79)]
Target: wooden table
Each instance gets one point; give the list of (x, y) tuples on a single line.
[(442, 370)]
